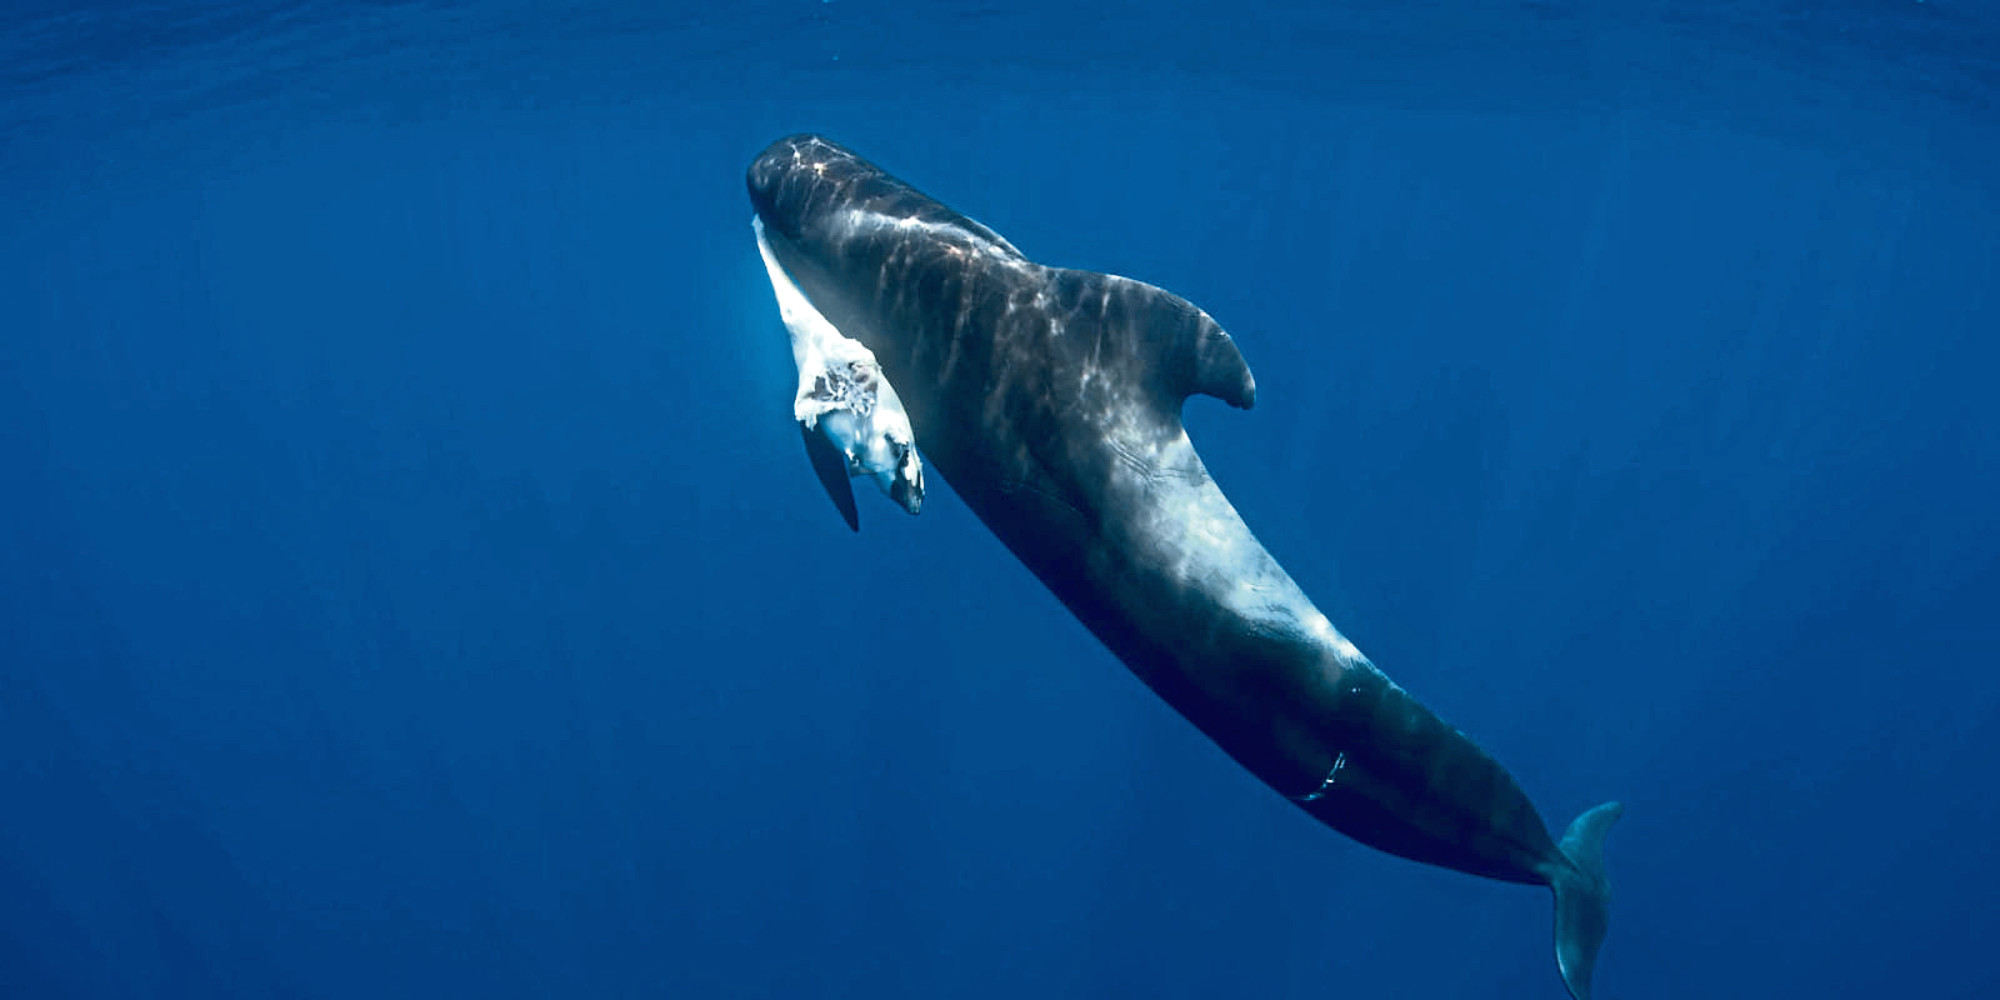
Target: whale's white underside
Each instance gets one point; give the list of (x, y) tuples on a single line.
[(842, 393)]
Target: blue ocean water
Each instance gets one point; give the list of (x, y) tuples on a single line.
[(411, 584)]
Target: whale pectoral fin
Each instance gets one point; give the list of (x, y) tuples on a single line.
[(830, 465), (1583, 897)]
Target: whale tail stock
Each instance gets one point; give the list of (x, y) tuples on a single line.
[(1583, 897)]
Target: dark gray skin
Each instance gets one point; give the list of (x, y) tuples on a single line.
[(1050, 399)]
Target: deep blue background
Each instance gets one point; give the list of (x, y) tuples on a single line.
[(411, 584)]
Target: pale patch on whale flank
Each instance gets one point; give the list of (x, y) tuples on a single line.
[(1210, 541)]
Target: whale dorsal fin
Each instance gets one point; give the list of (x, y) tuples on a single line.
[(1217, 367), (1175, 346)]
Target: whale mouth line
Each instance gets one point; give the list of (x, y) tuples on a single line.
[(843, 397)]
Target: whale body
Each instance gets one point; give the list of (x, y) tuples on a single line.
[(1050, 399)]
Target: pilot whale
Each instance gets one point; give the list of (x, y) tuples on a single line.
[(1050, 399)]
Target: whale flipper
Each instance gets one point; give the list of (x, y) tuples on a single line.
[(1583, 897), (830, 465)]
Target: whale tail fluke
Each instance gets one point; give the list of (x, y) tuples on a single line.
[(1583, 897)]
